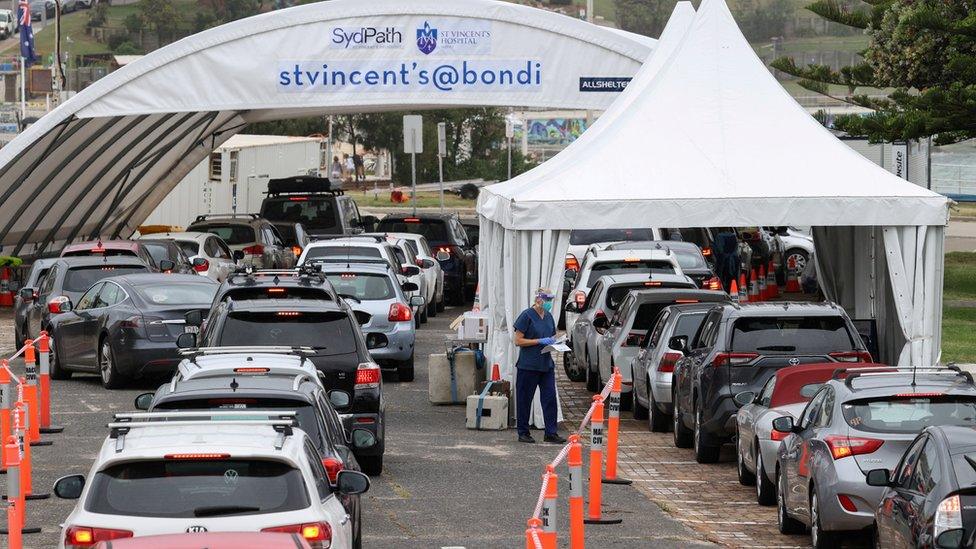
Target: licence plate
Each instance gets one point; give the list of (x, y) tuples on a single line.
[(191, 329)]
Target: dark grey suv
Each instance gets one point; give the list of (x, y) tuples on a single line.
[(738, 348)]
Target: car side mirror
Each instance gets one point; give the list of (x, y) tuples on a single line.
[(878, 477), (339, 399), (194, 318), (144, 401), (238, 255), (417, 301), (950, 539), (362, 317), (744, 398), (601, 323), (572, 307), (186, 340), (427, 263), (69, 487), (409, 287), (784, 424), (363, 439), (410, 270), (27, 294), (351, 483), (167, 265), (199, 262), (678, 343)]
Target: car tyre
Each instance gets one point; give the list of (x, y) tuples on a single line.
[(704, 453), (405, 369), (682, 435), (592, 381), (786, 523), (573, 371), (371, 465), (765, 489), (638, 410), (58, 372), (111, 377), (819, 538), (431, 309), (656, 419), (746, 477)]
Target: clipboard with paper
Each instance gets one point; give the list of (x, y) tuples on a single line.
[(558, 347)]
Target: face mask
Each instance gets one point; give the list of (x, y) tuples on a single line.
[(547, 306)]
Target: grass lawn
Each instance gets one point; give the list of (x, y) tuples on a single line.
[(959, 323), (424, 200)]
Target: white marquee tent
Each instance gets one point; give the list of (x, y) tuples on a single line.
[(704, 136)]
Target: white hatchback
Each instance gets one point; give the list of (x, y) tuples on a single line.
[(168, 474), (208, 252)]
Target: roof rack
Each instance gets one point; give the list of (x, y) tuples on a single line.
[(305, 270), (853, 373), (207, 217), (124, 422), (373, 237), (241, 349)]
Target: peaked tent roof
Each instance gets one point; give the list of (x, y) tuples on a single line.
[(710, 139)]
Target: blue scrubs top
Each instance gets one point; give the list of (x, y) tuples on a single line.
[(533, 326)]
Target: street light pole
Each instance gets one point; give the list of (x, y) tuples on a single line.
[(413, 169)]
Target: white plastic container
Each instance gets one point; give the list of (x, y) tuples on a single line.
[(467, 377), (494, 413)]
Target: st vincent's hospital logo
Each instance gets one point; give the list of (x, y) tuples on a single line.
[(426, 39)]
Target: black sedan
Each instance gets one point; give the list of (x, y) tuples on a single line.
[(126, 326), (930, 499)]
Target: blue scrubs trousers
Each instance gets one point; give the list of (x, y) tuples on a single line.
[(526, 382)]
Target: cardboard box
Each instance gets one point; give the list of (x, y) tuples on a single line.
[(474, 325)]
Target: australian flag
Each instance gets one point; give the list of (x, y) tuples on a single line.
[(26, 34)]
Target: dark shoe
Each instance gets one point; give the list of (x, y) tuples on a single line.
[(526, 438), (555, 439)]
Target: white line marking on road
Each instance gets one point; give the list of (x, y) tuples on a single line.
[(91, 407)]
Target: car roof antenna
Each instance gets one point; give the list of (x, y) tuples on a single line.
[(234, 385)]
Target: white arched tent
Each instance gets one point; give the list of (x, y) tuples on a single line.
[(711, 139), (103, 160)]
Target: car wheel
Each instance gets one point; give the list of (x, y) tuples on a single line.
[(626, 400), (786, 523), (746, 477), (422, 315), (638, 410), (432, 309), (592, 381), (573, 371), (818, 537), (111, 378), (57, 370), (657, 420), (765, 489), (405, 369), (682, 434), (441, 305), (704, 453), (371, 465), (799, 256)]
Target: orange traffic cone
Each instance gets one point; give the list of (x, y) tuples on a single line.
[(753, 287), (6, 296), (763, 293), (743, 289), (495, 373), (734, 292), (771, 286), (792, 280)]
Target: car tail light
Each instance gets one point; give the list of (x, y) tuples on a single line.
[(368, 376), (201, 267), (411, 220), (579, 296), (298, 198), (256, 249), (252, 370), (132, 323), (76, 537), (155, 328), (365, 420), (707, 252), (277, 291), (288, 313), (733, 359), (332, 468), (847, 503), (54, 306), (668, 362), (712, 284), (686, 301), (778, 435), (948, 516), (842, 446), (399, 313), (196, 456), (631, 260), (317, 534), (633, 339), (851, 356), (450, 250), (572, 264), (652, 283)]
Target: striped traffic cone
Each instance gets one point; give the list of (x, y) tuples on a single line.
[(743, 289), (753, 287), (792, 280), (771, 286), (734, 292), (763, 294)]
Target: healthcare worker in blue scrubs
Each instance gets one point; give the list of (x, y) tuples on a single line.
[(534, 329)]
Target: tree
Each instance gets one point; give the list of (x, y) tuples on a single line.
[(924, 49), (646, 17), (162, 15)]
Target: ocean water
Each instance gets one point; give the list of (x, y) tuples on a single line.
[(954, 169)]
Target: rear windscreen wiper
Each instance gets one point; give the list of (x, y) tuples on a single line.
[(218, 510), (784, 348)]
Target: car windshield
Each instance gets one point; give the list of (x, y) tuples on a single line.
[(178, 294), (796, 334), (190, 488), (313, 212), (628, 266), (592, 236), (189, 247), (435, 230), (690, 260), (363, 286), (331, 332), (341, 251), (909, 414), (160, 251), (233, 235), (80, 279)]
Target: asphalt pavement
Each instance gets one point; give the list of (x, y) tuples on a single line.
[(443, 485)]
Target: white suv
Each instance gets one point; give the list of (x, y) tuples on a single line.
[(167, 473)]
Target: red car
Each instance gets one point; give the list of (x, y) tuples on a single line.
[(113, 248), (212, 540)]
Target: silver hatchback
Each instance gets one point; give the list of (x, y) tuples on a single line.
[(854, 425)]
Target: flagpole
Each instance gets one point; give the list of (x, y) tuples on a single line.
[(23, 90)]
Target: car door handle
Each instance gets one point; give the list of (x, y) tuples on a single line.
[(344, 520)]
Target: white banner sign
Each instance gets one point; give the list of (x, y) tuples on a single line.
[(899, 159)]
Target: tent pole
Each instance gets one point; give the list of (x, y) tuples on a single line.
[(23, 91)]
